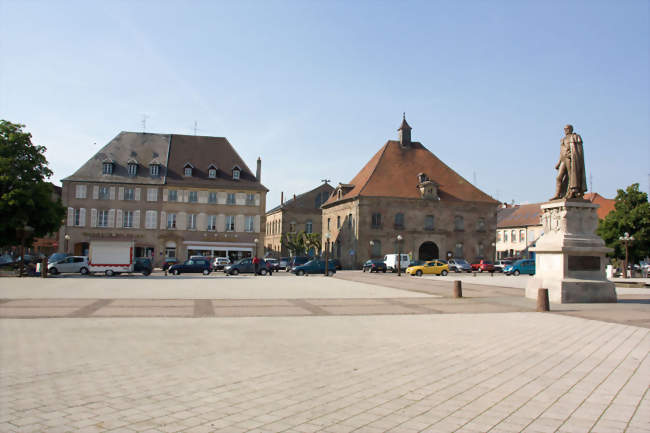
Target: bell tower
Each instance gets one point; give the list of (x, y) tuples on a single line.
[(404, 133)]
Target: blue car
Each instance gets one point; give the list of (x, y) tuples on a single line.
[(315, 266), (524, 266)]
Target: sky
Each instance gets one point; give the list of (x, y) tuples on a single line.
[(315, 88)]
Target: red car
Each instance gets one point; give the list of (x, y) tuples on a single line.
[(483, 266)]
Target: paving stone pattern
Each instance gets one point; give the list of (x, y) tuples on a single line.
[(502, 372)]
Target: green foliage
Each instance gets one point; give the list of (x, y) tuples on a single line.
[(295, 243), (631, 214), (25, 197), (313, 240)]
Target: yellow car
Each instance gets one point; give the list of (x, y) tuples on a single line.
[(433, 267)]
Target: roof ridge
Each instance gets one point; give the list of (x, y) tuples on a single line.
[(382, 151)]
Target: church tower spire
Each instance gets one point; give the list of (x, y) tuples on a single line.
[(404, 133)]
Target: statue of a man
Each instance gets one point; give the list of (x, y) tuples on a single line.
[(571, 181)]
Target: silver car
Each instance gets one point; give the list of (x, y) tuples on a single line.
[(459, 265), (69, 265)]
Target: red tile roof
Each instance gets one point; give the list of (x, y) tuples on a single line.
[(393, 171), (606, 204)]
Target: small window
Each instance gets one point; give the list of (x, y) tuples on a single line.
[(77, 217), (328, 223), (187, 171), (172, 195), (212, 197), (194, 197), (250, 199), (292, 227), (498, 236), (338, 222), (212, 173), (230, 198), (127, 219), (459, 223), (522, 235), (191, 221), (235, 174), (129, 194), (480, 226), (107, 168), (171, 220), (154, 170), (505, 236), (133, 169), (513, 236), (249, 223), (399, 221), (376, 220), (429, 222), (309, 227), (230, 223), (212, 222), (458, 252), (102, 218), (103, 193)]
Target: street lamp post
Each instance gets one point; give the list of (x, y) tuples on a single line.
[(327, 243), (626, 239), (399, 255), (67, 239), (256, 242), (372, 244)]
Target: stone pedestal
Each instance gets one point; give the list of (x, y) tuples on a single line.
[(570, 258)]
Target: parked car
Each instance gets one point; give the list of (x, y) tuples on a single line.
[(197, 266), (459, 265), (374, 266), (143, 264), (284, 261), (315, 266), (169, 261), (337, 264), (435, 267), (219, 262), (56, 257), (483, 266), (524, 266), (273, 264), (245, 266), (391, 262), (296, 261), (69, 265), (500, 264)]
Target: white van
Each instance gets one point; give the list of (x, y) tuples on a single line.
[(391, 262)]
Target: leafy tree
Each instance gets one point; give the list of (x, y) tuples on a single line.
[(25, 197), (313, 240), (631, 214), (295, 243)]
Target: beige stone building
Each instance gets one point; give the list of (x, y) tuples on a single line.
[(406, 190), (301, 213), (174, 195)]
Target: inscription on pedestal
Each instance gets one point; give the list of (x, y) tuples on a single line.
[(584, 263)]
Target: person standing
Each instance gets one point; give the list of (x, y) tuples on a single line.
[(256, 265)]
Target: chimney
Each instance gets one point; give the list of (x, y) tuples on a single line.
[(258, 173), (281, 197)]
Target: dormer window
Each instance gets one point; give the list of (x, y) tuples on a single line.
[(212, 172), (154, 168), (236, 173), (107, 167), (187, 170), (133, 167)]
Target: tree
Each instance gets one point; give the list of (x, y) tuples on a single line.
[(313, 240), (631, 214), (25, 197), (295, 243)]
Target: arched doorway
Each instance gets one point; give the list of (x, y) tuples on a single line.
[(428, 251)]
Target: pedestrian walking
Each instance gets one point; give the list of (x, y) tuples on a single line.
[(256, 265), (269, 268)]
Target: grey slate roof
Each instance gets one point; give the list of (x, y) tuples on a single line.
[(519, 216), (298, 200)]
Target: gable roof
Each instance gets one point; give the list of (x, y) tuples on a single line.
[(393, 172), (519, 216), (606, 204), (304, 200)]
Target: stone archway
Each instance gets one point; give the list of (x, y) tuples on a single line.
[(428, 251)]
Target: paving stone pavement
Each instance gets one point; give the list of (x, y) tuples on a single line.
[(504, 372)]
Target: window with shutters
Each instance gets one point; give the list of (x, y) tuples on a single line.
[(76, 217), (250, 199), (80, 191), (152, 194), (212, 197), (230, 223), (150, 219), (212, 223), (191, 221), (127, 219), (171, 220), (194, 197), (129, 194), (172, 195), (102, 218), (248, 224), (104, 193), (230, 198)]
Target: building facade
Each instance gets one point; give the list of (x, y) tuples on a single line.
[(174, 195), (406, 191), (301, 213)]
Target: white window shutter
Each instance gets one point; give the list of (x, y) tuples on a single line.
[(203, 196), (95, 192), (239, 223), (136, 219), (111, 193), (165, 194), (256, 224), (202, 222), (119, 218), (240, 198), (93, 217), (186, 196), (111, 217), (163, 220), (154, 219), (70, 217), (221, 222), (181, 221), (221, 198), (120, 193), (82, 217), (257, 199), (137, 194)]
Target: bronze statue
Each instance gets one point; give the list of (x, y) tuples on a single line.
[(571, 181)]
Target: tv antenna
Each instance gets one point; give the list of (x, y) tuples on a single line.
[(325, 180), (591, 183), (196, 124), (144, 123)]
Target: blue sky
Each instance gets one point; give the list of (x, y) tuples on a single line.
[(316, 88)]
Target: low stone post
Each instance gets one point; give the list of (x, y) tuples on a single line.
[(542, 301), (458, 289), (44, 267)]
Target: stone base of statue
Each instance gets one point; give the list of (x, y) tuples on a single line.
[(570, 258)]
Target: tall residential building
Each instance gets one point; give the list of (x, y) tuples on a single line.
[(174, 195)]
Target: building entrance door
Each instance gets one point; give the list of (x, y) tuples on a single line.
[(428, 251)]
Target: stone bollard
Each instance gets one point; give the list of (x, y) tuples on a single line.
[(44, 267), (458, 289), (542, 300)]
